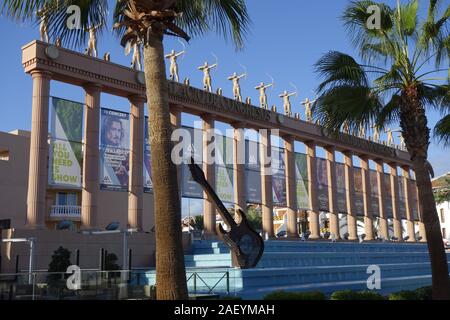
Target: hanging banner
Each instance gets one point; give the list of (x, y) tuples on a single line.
[(340, 188), (253, 172), (65, 157), (301, 176), (402, 198), (388, 196), (192, 148), (359, 194), (322, 184), (224, 184), (148, 184), (278, 177), (414, 202), (374, 193), (115, 153)]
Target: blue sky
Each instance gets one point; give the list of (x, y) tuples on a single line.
[(286, 38)]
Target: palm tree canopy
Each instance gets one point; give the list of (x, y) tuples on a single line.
[(369, 93), (227, 17)]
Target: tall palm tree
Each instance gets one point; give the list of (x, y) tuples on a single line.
[(148, 21), (391, 85)]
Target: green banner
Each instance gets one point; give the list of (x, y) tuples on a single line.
[(301, 176), (65, 144)]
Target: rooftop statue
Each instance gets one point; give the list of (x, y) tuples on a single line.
[(308, 112), (236, 86), (136, 59), (92, 42), (287, 102), (173, 56), (376, 133), (262, 94), (43, 25), (207, 75)]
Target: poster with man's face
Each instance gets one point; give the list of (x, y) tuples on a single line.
[(115, 153)]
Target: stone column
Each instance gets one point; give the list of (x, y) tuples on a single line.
[(209, 208), (395, 201), (89, 196), (136, 177), (384, 228), (408, 205), (314, 225), (175, 120), (37, 171), (291, 190), (350, 191), (332, 191), (239, 167), (368, 217), (265, 151)]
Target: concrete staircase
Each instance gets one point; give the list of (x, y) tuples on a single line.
[(307, 266)]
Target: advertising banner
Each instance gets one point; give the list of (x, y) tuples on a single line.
[(388, 196), (253, 172), (115, 153), (65, 156), (301, 176), (278, 177), (402, 198), (340, 186), (322, 184), (374, 194), (359, 194), (414, 203), (192, 148), (224, 183)]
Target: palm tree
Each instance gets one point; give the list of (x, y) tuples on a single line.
[(148, 21), (391, 85)]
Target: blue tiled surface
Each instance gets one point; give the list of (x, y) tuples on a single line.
[(306, 266)]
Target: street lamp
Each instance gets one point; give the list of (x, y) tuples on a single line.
[(31, 242)]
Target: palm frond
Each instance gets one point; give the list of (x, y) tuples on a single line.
[(442, 131), (337, 68)]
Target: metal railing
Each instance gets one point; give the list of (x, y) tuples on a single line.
[(103, 285), (65, 211)]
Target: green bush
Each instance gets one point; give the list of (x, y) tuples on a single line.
[(404, 295), (353, 295), (424, 293), (283, 295)]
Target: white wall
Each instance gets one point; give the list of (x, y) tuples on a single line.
[(446, 223)]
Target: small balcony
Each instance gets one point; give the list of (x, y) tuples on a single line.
[(65, 212)]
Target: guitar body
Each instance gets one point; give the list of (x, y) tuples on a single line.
[(245, 244)]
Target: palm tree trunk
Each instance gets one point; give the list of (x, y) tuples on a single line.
[(170, 268), (413, 122), (436, 249)]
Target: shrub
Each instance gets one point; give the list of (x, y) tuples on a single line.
[(404, 295), (236, 298), (353, 295), (424, 293), (283, 295)]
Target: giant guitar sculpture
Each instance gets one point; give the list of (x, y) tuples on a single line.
[(245, 244)]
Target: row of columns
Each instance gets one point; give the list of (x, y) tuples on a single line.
[(39, 151), (291, 199), (38, 172)]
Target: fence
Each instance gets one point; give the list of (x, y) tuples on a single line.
[(103, 285)]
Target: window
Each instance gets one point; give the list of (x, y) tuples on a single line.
[(442, 215), (66, 199), (444, 233), (4, 155)]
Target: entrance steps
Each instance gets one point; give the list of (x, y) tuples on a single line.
[(307, 266)]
